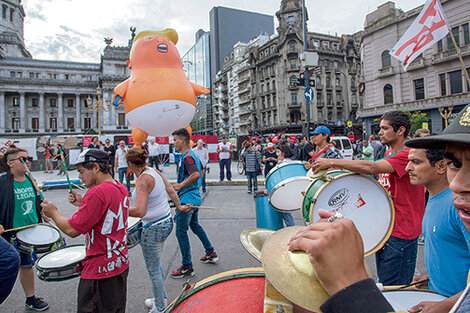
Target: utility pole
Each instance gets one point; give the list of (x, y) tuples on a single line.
[(304, 20)]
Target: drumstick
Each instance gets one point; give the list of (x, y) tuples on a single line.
[(62, 158), (19, 228), (392, 288), (203, 207), (35, 184)]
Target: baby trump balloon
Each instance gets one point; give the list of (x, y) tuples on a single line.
[(158, 97)]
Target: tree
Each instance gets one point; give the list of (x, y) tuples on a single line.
[(417, 120)]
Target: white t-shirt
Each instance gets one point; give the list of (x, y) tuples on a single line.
[(224, 154), (121, 156), (154, 150)]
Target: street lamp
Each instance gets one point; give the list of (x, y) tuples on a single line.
[(446, 113), (98, 106)]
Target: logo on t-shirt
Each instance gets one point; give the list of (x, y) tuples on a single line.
[(27, 207), (384, 180)]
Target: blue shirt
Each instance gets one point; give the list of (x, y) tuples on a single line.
[(446, 245), (189, 164)]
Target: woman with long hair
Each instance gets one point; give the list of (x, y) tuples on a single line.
[(151, 204)]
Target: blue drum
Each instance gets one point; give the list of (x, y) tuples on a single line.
[(266, 216), (284, 171)]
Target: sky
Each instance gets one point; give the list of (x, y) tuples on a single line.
[(74, 30)]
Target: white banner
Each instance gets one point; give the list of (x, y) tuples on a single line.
[(428, 28)]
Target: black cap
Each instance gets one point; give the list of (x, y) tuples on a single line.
[(93, 155), (457, 132)]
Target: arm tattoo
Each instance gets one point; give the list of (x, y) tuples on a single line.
[(141, 187)]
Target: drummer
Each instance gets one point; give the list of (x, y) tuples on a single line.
[(324, 148), (20, 206), (336, 251), (102, 217)]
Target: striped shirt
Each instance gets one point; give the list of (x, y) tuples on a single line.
[(251, 158)]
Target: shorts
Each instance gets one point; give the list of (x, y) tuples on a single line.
[(103, 295), (26, 259)]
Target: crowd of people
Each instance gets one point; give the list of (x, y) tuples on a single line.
[(427, 178)]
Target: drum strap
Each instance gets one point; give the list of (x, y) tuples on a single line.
[(163, 219), (319, 153)]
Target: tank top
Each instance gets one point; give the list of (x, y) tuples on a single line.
[(157, 204)]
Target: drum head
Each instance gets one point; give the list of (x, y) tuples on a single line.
[(38, 235), (402, 300), (62, 257), (132, 221), (364, 201), (287, 195)]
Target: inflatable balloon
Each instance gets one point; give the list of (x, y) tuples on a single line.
[(158, 97)]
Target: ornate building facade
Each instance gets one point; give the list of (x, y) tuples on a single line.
[(252, 92), (46, 97)]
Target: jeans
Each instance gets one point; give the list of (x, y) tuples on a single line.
[(288, 219), (204, 180), (153, 160), (183, 221), (9, 266), (122, 172), (227, 164), (151, 243), (396, 261), (252, 177)]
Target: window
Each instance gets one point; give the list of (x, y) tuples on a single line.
[(31, 75), (4, 11), (316, 44), (386, 61), (49, 75), (19, 74), (455, 82), (466, 35), (326, 44), (121, 119), (267, 87), (338, 83), (67, 76), (450, 43), (388, 94), (442, 80), (53, 123), (15, 123), (318, 82), (274, 85), (34, 102), (52, 103), (87, 121), (439, 46), (328, 82), (290, 20), (262, 89), (292, 46), (70, 123), (11, 15), (329, 100), (419, 88), (293, 64), (16, 102), (12, 74), (69, 103), (293, 98), (327, 63), (35, 123), (335, 64)]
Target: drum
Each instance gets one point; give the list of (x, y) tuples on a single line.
[(266, 216), (240, 290), (284, 171), (402, 300), (42, 238), (61, 264), (134, 233), (287, 195), (359, 198)]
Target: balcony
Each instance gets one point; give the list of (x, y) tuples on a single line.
[(416, 64), (291, 68), (386, 71), (450, 55), (294, 105), (245, 111), (244, 100)]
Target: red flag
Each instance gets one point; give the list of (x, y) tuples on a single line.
[(428, 28)]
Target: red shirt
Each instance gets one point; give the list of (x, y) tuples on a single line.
[(102, 216), (408, 199)]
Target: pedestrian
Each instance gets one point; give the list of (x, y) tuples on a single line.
[(269, 158), (17, 192), (58, 158), (9, 267), (120, 164), (94, 143), (290, 144), (224, 150), (253, 164), (187, 186), (284, 155), (102, 217), (367, 151), (259, 146), (177, 154), (203, 155), (324, 146), (50, 154), (282, 139), (379, 149), (396, 261), (151, 204), (153, 152), (422, 132), (111, 151)]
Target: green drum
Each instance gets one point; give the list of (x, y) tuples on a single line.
[(357, 197)]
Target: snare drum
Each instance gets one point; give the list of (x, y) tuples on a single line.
[(42, 238), (402, 300), (266, 216), (359, 198), (284, 171), (240, 290), (134, 233), (287, 195), (61, 264)]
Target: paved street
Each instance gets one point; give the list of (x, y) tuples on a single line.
[(236, 213)]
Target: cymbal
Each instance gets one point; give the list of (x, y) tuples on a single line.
[(291, 273), (252, 240), (313, 176)]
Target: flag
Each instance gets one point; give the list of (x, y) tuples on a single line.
[(428, 28)]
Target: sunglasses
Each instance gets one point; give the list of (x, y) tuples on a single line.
[(23, 159)]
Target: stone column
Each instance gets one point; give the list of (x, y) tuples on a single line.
[(60, 113), (105, 122), (2, 112), (23, 122), (78, 117), (42, 113)]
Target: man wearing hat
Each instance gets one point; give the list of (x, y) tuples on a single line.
[(225, 149), (336, 251), (102, 217), (396, 261), (324, 149), (203, 155), (269, 158)]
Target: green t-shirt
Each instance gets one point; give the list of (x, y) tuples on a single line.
[(370, 150), (25, 204)]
